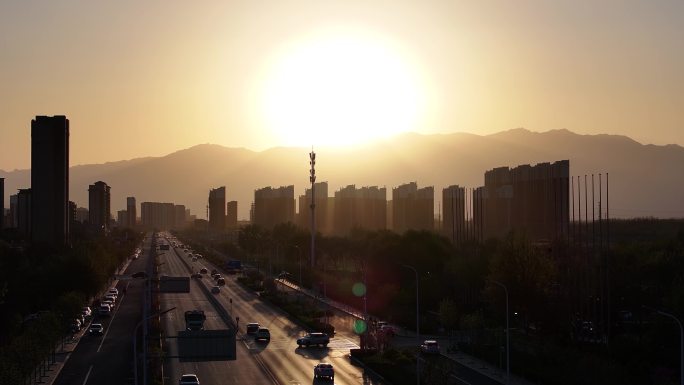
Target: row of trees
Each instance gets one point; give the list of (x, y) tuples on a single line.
[(43, 289)]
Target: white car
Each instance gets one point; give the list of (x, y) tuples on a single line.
[(430, 347), (189, 379), (114, 291)]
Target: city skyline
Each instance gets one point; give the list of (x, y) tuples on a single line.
[(611, 67)]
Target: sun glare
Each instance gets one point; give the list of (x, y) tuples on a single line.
[(338, 90)]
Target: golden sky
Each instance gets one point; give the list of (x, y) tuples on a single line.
[(139, 78)]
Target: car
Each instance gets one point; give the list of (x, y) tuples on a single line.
[(104, 310), (213, 272), (203, 270), (75, 326), (87, 311), (114, 291), (430, 347), (386, 328), (198, 256), (194, 259), (185, 250), (324, 370), (110, 297), (262, 334), (216, 276), (96, 329), (220, 281), (189, 379), (252, 327), (108, 302), (216, 289), (320, 339)]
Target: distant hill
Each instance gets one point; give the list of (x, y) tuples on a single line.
[(645, 180)]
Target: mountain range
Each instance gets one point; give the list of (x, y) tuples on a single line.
[(645, 180)]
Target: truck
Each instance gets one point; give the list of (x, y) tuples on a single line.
[(233, 266), (194, 319)]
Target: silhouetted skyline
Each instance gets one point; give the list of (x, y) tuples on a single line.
[(225, 72)]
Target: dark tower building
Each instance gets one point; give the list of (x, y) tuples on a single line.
[(273, 206), (413, 208), (531, 199), (24, 212), (99, 205), (132, 215), (453, 213), (217, 209), (231, 215), (50, 180)]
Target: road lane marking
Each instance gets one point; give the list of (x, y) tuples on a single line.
[(87, 375)]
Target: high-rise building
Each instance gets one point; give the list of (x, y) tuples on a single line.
[(50, 180), (122, 218), (180, 220), (24, 209), (453, 213), (132, 212), (274, 206), (217, 209), (99, 205), (231, 215), (82, 214), (14, 211), (322, 211), (413, 208), (2, 203), (529, 199), (156, 215), (364, 208)]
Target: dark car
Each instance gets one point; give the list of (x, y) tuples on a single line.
[(314, 339), (252, 327), (96, 329), (203, 270), (262, 334)]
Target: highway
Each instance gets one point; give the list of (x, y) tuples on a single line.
[(279, 361)]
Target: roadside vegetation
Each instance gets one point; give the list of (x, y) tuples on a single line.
[(42, 290)]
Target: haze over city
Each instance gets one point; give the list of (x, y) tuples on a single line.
[(341, 192), (155, 77)]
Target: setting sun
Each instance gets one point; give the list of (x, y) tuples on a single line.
[(340, 89)]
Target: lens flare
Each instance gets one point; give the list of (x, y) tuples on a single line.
[(359, 289)]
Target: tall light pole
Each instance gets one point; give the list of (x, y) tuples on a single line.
[(312, 179), (417, 322), (135, 344), (681, 341), (508, 332)]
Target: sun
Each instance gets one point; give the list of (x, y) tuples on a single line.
[(340, 89)]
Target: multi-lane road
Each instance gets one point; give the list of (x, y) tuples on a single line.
[(280, 361), (108, 359)]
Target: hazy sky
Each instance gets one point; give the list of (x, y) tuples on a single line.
[(140, 78)]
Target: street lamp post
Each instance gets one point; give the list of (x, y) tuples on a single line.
[(135, 344), (417, 322), (508, 337)]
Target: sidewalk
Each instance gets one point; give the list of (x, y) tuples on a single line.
[(485, 368)]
